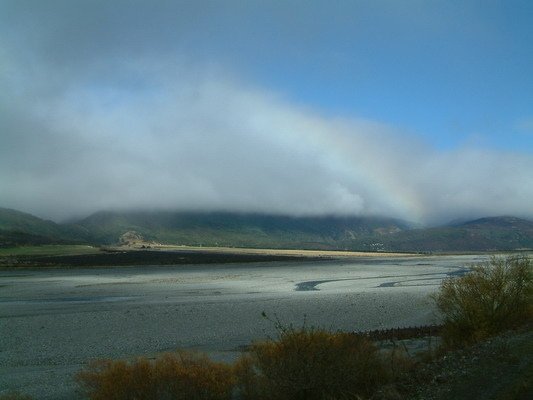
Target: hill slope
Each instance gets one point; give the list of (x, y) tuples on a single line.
[(485, 234), (271, 231), (18, 228), (232, 229)]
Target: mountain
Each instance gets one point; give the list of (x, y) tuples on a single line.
[(18, 228), (237, 229), (328, 232), (485, 234), (499, 223), (270, 231)]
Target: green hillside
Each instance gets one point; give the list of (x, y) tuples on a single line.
[(233, 229), (18, 228), (270, 231), (486, 234)]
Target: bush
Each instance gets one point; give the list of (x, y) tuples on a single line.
[(494, 297), (173, 376), (311, 364)]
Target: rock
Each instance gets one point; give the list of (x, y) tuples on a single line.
[(129, 238)]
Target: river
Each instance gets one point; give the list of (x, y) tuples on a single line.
[(52, 321)]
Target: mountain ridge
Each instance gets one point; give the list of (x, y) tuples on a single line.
[(238, 229), (370, 233), (21, 228)]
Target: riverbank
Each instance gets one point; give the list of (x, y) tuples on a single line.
[(87, 256)]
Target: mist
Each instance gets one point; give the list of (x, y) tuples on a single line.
[(97, 115)]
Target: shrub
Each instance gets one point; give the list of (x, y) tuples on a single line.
[(493, 297), (175, 376), (310, 364)]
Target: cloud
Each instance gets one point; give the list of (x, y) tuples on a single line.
[(94, 124)]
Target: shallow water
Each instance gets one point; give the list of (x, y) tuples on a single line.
[(53, 321)]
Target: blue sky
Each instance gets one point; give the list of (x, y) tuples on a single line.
[(416, 109), (452, 71)]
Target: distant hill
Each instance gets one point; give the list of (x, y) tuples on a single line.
[(485, 234), (234, 229), (274, 231), (18, 228)]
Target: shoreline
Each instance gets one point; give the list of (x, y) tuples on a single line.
[(137, 255), (274, 252)]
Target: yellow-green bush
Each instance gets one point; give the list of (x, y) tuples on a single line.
[(493, 297), (174, 376), (307, 364)]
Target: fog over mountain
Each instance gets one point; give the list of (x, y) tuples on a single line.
[(111, 107)]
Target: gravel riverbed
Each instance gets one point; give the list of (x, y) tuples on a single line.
[(53, 321)]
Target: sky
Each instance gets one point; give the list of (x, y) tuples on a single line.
[(421, 110)]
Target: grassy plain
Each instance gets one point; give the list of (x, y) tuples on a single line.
[(49, 250), (156, 254), (278, 252)]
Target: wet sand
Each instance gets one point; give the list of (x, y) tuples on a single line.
[(53, 321)]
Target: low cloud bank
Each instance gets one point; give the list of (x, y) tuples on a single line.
[(190, 142), (87, 128)]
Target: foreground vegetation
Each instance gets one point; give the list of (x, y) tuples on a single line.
[(494, 297), (180, 375), (304, 364), (311, 364)]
